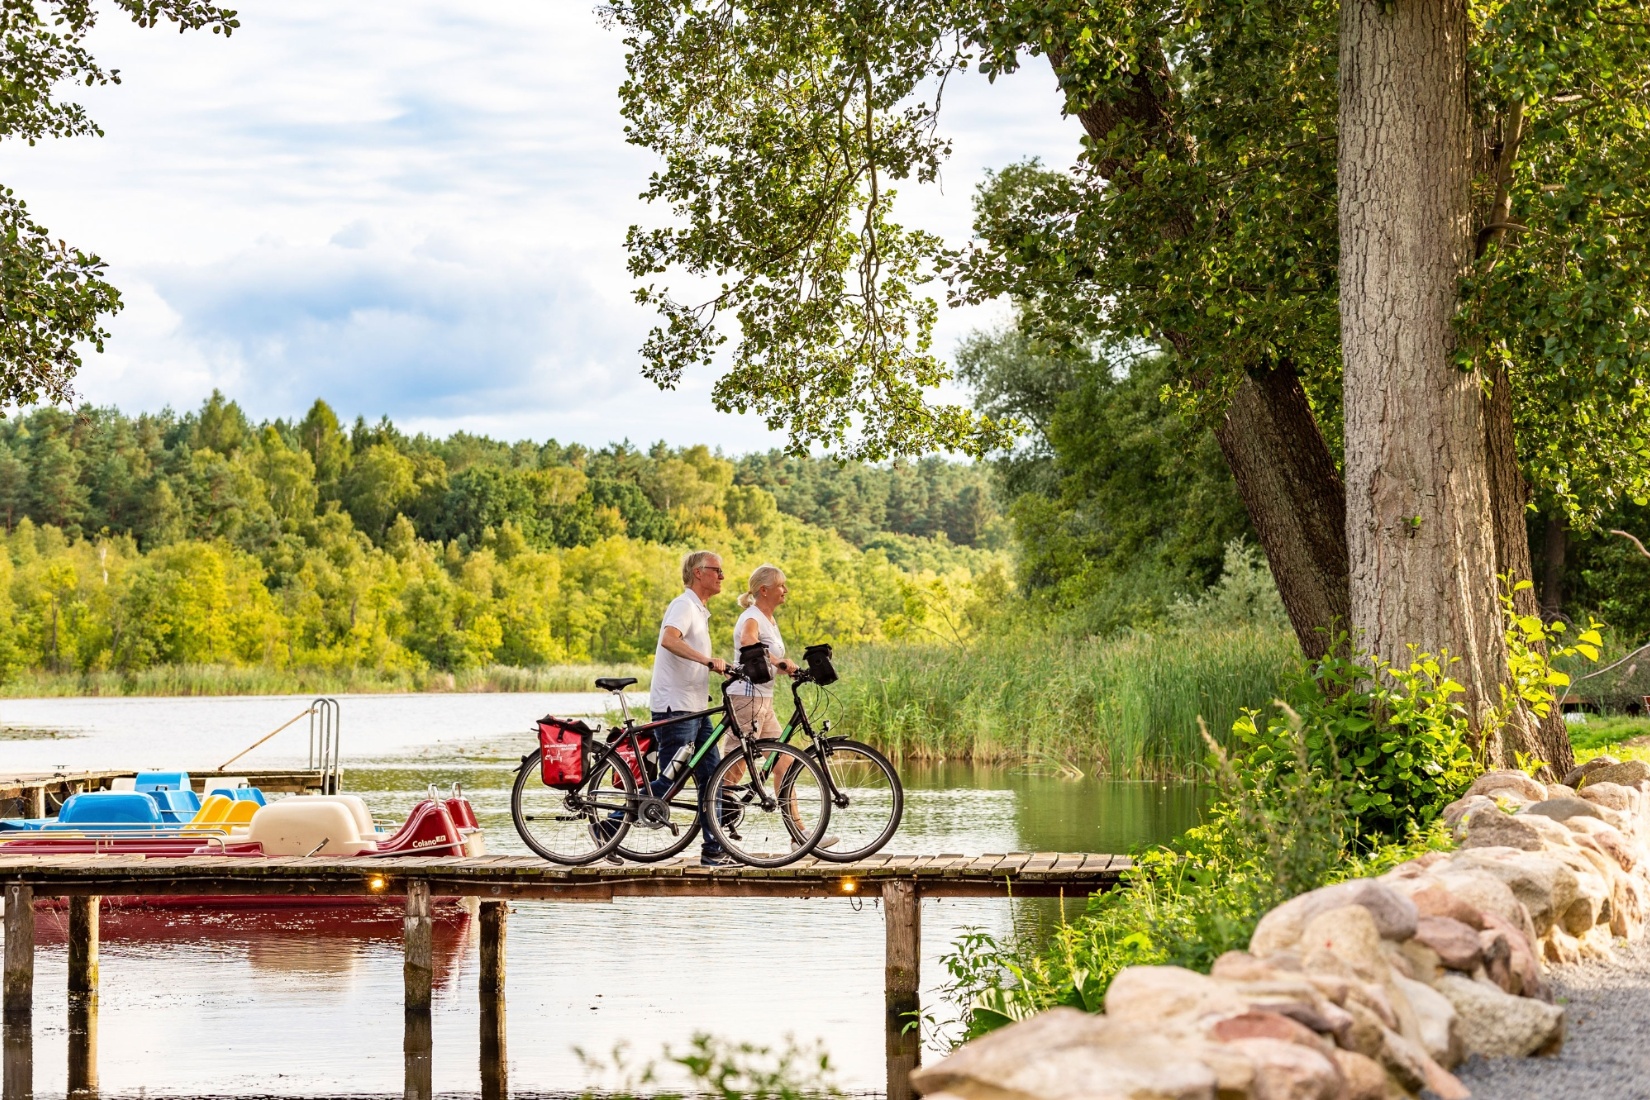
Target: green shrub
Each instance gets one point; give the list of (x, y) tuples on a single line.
[(1394, 741)]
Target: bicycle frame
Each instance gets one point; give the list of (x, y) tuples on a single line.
[(632, 735)]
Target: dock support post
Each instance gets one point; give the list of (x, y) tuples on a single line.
[(83, 944), (418, 978), (35, 801), (902, 921), (494, 1064), (17, 1051), (417, 968), (19, 972), (82, 1045)]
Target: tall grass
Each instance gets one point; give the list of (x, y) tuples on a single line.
[(1125, 707), (228, 680)]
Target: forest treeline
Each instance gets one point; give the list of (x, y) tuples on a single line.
[(203, 538)]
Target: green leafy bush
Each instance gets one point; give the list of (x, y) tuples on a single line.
[(1393, 740)]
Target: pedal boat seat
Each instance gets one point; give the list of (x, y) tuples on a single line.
[(615, 683)]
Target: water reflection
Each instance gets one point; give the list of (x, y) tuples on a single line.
[(310, 1000)]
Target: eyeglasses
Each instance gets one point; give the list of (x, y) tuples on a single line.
[(717, 569)]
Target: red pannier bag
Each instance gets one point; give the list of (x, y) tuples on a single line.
[(564, 745), (628, 755)]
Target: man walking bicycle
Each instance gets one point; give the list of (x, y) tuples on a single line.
[(682, 664)]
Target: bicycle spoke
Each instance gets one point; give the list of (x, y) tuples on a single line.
[(574, 826), (869, 804)]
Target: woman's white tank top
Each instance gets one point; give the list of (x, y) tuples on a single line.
[(767, 632)]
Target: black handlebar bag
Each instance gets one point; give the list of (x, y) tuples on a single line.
[(753, 662), (820, 668)]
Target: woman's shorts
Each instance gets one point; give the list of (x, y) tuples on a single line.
[(748, 709)]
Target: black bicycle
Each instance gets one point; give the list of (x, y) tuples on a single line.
[(867, 798), (631, 804)]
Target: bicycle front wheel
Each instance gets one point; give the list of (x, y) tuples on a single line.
[(867, 799), (757, 824), (577, 826)]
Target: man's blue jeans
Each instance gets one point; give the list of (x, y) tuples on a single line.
[(672, 739)]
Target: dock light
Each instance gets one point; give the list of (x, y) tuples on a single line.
[(849, 886), (375, 883)]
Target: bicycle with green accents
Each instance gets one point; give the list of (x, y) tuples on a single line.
[(628, 805), (867, 798)]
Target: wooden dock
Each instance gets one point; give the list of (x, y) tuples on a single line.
[(900, 882)]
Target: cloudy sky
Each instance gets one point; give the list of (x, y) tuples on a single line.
[(408, 207)]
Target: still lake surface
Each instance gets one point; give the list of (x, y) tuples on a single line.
[(297, 1004)]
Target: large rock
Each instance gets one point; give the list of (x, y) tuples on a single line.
[(1066, 1053), (1507, 781), (1577, 775), (1510, 958), (1497, 1024), (1280, 930), (1485, 893), (1436, 1021), (1607, 839), (1364, 1077), (1289, 1071), (1489, 827), (1454, 942), (1626, 773), (1561, 809), (1612, 796), (1349, 934), (1150, 994), (1461, 807), (1432, 900), (1545, 884)]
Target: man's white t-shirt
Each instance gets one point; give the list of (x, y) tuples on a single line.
[(680, 684)]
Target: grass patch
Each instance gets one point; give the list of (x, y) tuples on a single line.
[(1125, 707), (229, 680), (1613, 734)]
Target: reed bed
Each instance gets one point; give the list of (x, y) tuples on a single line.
[(230, 680), (1125, 707)]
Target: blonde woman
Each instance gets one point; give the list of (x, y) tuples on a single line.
[(753, 703)]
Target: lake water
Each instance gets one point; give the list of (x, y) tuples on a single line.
[(308, 1005)]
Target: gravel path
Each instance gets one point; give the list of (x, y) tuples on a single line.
[(1607, 1045)]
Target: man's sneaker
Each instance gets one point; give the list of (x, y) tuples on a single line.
[(614, 858), (721, 859)]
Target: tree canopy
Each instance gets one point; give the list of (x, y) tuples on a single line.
[(53, 297)]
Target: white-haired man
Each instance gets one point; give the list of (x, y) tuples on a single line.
[(682, 664)]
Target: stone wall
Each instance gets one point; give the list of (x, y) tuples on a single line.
[(1369, 989)]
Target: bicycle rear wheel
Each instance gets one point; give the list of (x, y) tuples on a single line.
[(576, 826), (753, 822), (868, 803), (662, 828)]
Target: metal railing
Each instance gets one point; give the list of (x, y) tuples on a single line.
[(325, 726)]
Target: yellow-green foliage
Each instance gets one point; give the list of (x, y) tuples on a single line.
[(335, 601)]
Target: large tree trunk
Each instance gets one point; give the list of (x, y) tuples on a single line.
[(1419, 531), (1289, 484), (1555, 543), (1284, 470), (1546, 739)]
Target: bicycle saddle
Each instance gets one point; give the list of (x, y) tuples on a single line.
[(615, 683)]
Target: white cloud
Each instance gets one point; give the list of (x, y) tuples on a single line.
[(412, 207)]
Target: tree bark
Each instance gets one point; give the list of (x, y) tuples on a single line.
[(1287, 479), (1420, 534), (1546, 739), (1555, 543)]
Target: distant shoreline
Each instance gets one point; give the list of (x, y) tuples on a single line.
[(226, 680)]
